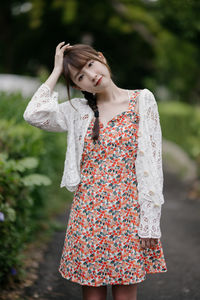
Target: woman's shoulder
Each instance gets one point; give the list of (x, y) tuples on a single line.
[(137, 93), (144, 93), (147, 99), (140, 91), (78, 102), (75, 106)]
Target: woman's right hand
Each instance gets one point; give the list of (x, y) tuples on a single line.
[(58, 65), (58, 60)]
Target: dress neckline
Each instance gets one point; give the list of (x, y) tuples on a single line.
[(120, 114)]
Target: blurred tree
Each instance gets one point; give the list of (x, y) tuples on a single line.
[(152, 44), (177, 51)]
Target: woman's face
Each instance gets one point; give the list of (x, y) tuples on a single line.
[(93, 77)]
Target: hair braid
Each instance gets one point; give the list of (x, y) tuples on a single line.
[(92, 102)]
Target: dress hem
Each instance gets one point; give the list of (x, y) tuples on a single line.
[(110, 283)]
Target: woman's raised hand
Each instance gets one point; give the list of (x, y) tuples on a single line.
[(58, 60), (58, 65)]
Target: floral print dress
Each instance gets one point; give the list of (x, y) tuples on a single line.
[(102, 245)]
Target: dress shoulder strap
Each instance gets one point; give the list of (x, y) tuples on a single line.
[(133, 97)]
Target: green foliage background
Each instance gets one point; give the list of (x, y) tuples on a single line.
[(147, 43), (31, 165)]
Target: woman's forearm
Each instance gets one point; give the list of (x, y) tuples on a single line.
[(53, 78)]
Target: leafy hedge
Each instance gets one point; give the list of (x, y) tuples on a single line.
[(20, 147), (31, 165), (181, 124)]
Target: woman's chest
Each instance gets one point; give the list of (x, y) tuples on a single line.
[(120, 133), (109, 111)]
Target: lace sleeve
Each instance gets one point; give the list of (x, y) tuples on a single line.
[(156, 143), (152, 176), (44, 111), (149, 220)]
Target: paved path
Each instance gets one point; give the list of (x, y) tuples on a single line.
[(180, 226)]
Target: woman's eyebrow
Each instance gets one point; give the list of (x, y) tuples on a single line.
[(77, 74), (80, 70)]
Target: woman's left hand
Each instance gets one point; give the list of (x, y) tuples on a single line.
[(148, 242)]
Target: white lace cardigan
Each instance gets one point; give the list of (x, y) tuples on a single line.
[(44, 111)]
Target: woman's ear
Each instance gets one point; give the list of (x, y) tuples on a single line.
[(100, 54)]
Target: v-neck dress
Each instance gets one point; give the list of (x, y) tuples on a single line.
[(102, 245)]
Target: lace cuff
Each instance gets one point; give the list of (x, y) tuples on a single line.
[(44, 111), (149, 220)]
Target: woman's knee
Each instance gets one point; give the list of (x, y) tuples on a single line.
[(94, 293)]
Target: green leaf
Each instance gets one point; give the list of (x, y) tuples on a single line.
[(11, 214), (3, 156), (26, 163), (36, 179)]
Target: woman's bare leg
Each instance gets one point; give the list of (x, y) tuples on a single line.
[(94, 292), (124, 292)]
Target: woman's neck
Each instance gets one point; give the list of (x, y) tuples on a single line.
[(110, 94)]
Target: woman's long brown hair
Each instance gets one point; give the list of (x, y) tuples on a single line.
[(77, 56)]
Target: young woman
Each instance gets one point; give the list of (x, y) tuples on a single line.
[(114, 167)]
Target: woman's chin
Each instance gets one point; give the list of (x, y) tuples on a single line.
[(101, 88)]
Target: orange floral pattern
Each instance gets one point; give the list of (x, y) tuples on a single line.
[(102, 245)]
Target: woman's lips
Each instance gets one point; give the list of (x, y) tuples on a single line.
[(98, 82)]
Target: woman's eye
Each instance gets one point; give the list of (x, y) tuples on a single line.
[(90, 63), (80, 77)]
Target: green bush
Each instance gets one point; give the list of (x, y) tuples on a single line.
[(17, 207), (19, 175), (31, 165), (181, 124)]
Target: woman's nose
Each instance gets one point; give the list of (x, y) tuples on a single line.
[(92, 76), (94, 79)]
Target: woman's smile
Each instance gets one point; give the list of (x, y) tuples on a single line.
[(99, 81)]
